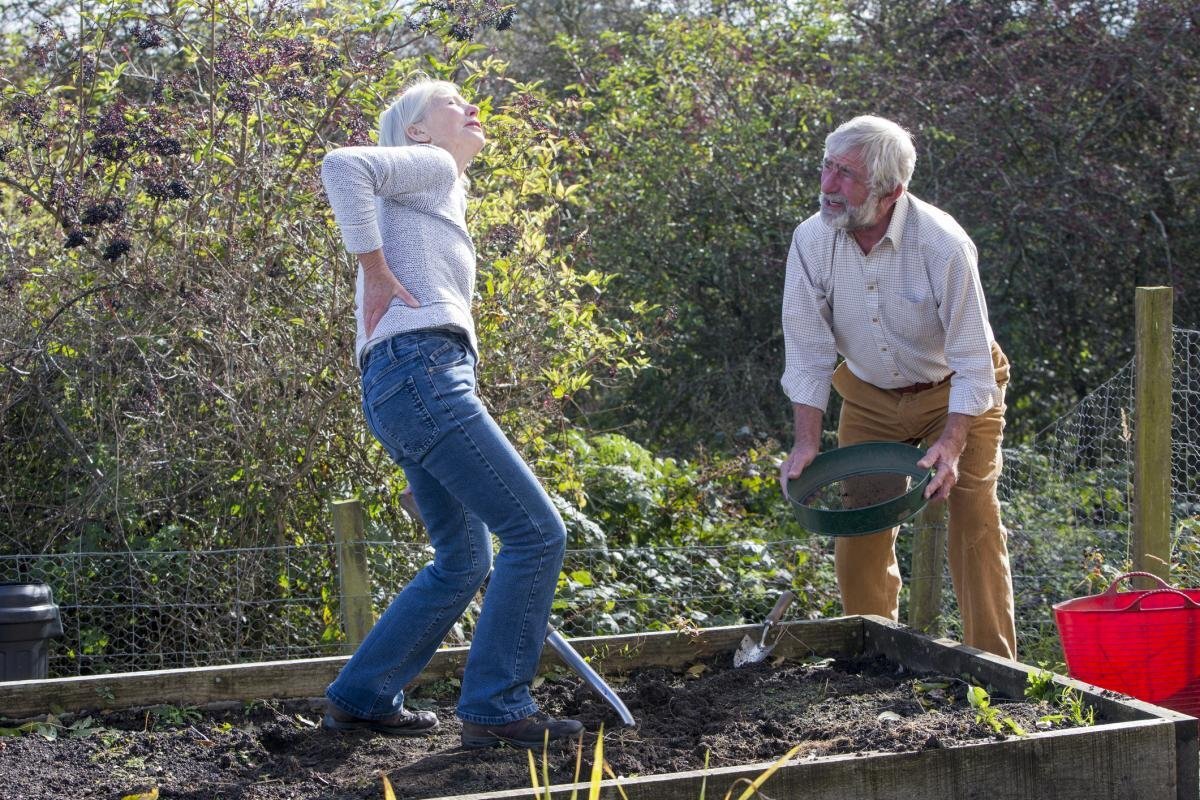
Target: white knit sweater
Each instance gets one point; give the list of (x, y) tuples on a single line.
[(411, 202)]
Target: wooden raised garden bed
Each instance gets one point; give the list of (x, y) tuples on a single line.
[(1134, 750)]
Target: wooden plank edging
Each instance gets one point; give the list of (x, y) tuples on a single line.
[(1130, 759), (297, 678)]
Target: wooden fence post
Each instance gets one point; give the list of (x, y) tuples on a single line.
[(1153, 358), (353, 577), (925, 584)]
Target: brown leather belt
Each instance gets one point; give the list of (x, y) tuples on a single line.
[(920, 387)]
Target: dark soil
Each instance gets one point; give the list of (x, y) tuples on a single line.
[(277, 750)]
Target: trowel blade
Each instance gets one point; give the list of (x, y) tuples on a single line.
[(749, 652)]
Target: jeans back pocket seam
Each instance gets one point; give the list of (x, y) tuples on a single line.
[(384, 371)]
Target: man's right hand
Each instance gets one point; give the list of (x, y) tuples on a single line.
[(380, 287), (805, 444), (800, 457)]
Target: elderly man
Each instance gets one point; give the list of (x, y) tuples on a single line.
[(891, 284)]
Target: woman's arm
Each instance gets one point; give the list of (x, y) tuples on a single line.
[(355, 176)]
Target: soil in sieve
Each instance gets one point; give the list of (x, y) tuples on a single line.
[(277, 750)]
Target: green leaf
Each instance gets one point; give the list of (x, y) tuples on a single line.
[(977, 697)]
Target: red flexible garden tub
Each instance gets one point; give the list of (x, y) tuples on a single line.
[(1144, 643)]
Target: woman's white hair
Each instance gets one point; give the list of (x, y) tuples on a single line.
[(884, 147), (409, 108)]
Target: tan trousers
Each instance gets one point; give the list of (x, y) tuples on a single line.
[(867, 572)]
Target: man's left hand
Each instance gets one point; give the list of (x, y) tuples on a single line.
[(943, 457)]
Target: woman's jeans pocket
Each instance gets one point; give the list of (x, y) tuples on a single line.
[(444, 352), (397, 414)]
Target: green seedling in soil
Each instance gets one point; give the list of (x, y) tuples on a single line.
[(173, 716), (1078, 712), (1068, 702), (251, 706), (989, 715), (1040, 688)]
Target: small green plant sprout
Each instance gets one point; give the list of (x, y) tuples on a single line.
[(1040, 688), (1078, 712), (175, 716), (1067, 702), (989, 715)]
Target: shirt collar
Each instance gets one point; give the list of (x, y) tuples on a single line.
[(895, 230)]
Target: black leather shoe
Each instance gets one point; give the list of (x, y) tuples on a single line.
[(529, 733), (402, 723)]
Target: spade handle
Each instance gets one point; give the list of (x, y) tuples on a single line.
[(781, 606)]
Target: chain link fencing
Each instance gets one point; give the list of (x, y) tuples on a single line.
[(1066, 500)]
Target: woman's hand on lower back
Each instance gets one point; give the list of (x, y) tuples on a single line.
[(380, 287)]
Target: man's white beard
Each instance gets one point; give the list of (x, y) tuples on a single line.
[(851, 218)]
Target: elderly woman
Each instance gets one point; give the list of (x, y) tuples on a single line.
[(401, 208)]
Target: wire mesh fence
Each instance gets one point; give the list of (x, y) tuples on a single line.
[(1066, 500), (161, 610), (1185, 453)]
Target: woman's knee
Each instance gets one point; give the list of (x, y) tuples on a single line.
[(465, 574), (533, 523), (549, 524)]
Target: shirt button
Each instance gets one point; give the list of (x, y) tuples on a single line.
[(874, 319), (871, 287), (895, 374), (883, 349)]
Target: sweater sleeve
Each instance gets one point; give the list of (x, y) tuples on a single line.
[(355, 176)]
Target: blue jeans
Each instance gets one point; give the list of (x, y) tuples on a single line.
[(469, 483)]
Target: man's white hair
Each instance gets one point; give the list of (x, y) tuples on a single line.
[(884, 147), (409, 108)]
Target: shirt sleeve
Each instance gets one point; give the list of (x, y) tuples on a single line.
[(810, 352), (355, 176), (963, 310)]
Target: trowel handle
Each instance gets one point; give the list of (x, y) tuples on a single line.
[(781, 606)]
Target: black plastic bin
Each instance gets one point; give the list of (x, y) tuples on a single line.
[(28, 620)]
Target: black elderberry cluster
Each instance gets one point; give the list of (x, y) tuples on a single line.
[(116, 248), (148, 36), (100, 213), (466, 17), (502, 238), (164, 145), (174, 189)]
